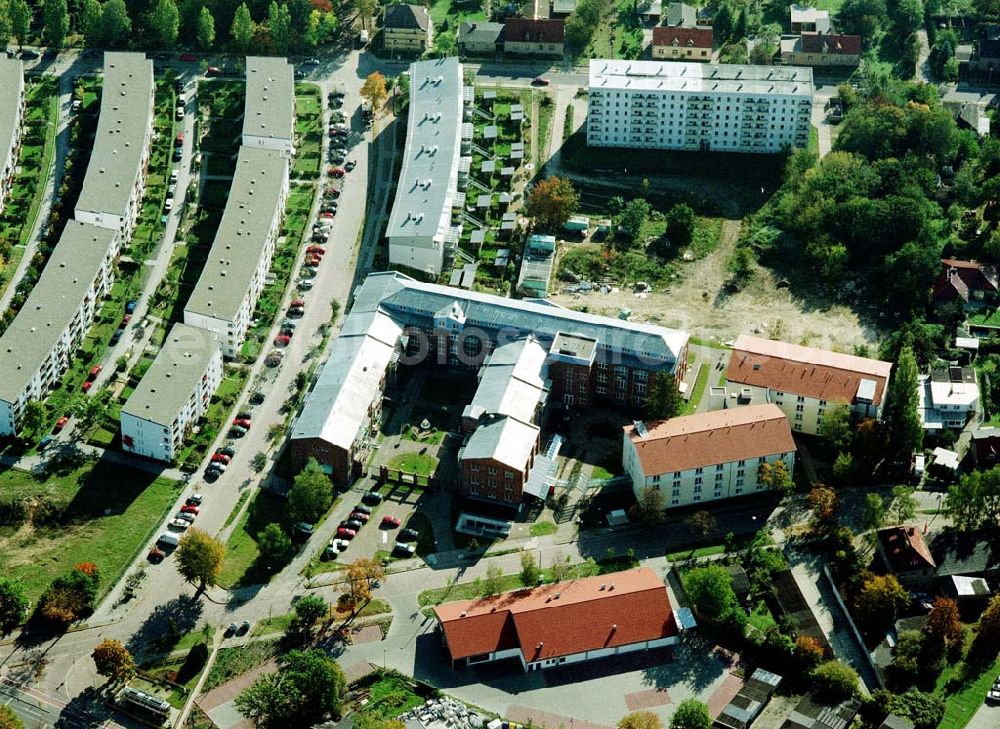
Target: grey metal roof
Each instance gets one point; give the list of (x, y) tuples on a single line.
[(692, 77), (429, 177), (254, 201), (270, 104), (505, 440), (174, 374), (681, 14), (481, 31), (11, 86), (512, 381), (412, 17), (126, 112), (52, 304)]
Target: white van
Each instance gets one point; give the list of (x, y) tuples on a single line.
[(168, 540)]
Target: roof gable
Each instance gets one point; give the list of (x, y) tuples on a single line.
[(403, 17), (682, 37), (539, 30)]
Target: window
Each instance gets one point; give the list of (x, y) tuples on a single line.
[(718, 477), (698, 470), (475, 468), (509, 475), (798, 416), (675, 492), (492, 471), (800, 399), (674, 502)]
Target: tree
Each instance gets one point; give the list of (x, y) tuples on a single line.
[(823, 501), (904, 421), (680, 224), (775, 476), (879, 601), (551, 202), (650, 506), (311, 608), (307, 687), (664, 400), (71, 596), (874, 514), (310, 495), (273, 544), (904, 504), (530, 572), (90, 25), (34, 417), (375, 92), (20, 21), (200, 558), (55, 16), (279, 20), (908, 16), (835, 427), (701, 523), (365, 10), (241, 30), (843, 469), (8, 719), (361, 573), (164, 22), (710, 590), (632, 220), (115, 22), (975, 500), (691, 714), (113, 661), (943, 628), (987, 641), (89, 412), (835, 681), (640, 720), (205, 29), (492, 584), (13, 604), (808, 652)]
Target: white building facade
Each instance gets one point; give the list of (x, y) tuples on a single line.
[(425, 221), (947, 398), (698, 106), (174, 393), (708, 456), (116, 174), (11, 121)]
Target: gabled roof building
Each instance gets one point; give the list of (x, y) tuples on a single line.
[(906, 554), (407, 28), (971, 283), (682, 44)]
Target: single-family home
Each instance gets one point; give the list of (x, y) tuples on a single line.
[(479, 38), (972, 283), (534, 37), (810, 49), (562, 622), (805, 19), (682, 44), (947, 397), (906, 554), (407, 28), (707, 456)]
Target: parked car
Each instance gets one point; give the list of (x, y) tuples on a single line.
[(345, 533), (219, 458), (156, 555), (337, 159), (351, 524), (540, 81), (213, 71), (211, 475), (94, 372), (404, 549), (168, 205), (390, 522), (179, 139), (231, 630), (44, 442), (338, 172), (173, 176), (318, 250), (191, 509), (256, 397), (304, 527), (360, 516), (304, 285), (282, 340), (361, 508), (178, 523), (408, 535), (180, 113), (171, 190), (226, 451), (130, 306), (372, 497), (289, 324), (244, 628), (194, 499), (308, 271), (242, 422), (61, 423), (86, 386), (189, 518), (178, 154), (188, 57), (116, 337), (237, 432), (328, 215), (126, 319), (351, 164)]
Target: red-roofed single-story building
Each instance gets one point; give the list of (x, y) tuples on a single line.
[(972, 283), (561, 623), (832, 49), (534, 37), (707, 456), (682, 44)]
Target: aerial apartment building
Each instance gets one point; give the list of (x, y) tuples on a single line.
[(37, 346), (234, 275), (707, 456), (698, 106), (806, 382), (173, 394), (269, 116), (425, 222), (399, 321), (11, 120), (116, 174)]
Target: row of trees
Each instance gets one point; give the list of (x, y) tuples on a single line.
[(282, 27)]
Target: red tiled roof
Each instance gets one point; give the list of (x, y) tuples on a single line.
[(848, 45), (957, 278), (684, 37), (905, 549), (805, 371), (563, 618), (540, 30), (704, 439)]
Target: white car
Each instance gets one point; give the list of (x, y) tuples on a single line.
[(173, 176), (168, 205), (178, 523), (185, 516), (304, 285)]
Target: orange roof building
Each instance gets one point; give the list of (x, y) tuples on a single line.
[(560, 623), (805, 382), (707, 456)]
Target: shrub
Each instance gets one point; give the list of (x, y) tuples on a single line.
[(835, 681)]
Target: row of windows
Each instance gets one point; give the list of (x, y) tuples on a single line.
[(600, 95)]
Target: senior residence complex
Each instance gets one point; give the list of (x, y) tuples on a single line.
[(698, 106)]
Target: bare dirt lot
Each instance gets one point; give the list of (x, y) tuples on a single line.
[(698, 304)]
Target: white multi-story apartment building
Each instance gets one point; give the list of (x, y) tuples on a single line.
[(116, 174), (806, 382), (425, 219), (224, 298), (173, 394), (37, 346), (11, 120), (698, 106), (269, 118), (947, 398), (708, 456)]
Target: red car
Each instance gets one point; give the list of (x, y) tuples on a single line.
[(345, 533), (390, 522), (313, 261), (156, 555), (190, 509), (94, 372), (282, 340), (297, 304), (242, 422), (328, 215), (87, 385), (540, 81), (318, 250), (188, 57), (126, 319), (179, 140), (338, 172), (61, 423), (213, 71), (219, 458), (359, 516)]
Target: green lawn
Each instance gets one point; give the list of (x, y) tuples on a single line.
[(542, 528), (693, 553), (102, 514), (233, 662), (701, 380), (391, 696), (963, 691), (241, 566), (418, 463)]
